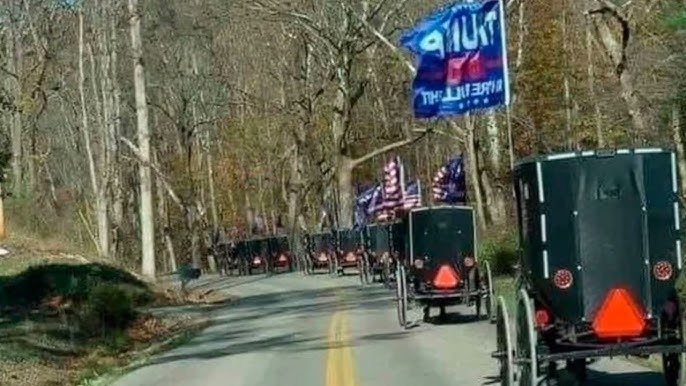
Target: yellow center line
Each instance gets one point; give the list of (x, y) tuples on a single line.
[(340, 363)]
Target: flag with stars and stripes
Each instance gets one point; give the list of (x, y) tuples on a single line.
[(393, 188), (449, 183), (413, 195)]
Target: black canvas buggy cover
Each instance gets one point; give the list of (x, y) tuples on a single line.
[(241, 250), (320, 243), (349, 240), (440, 235), (279, 249), (259, 248), (279, 245), (380, 238), (591, 222)]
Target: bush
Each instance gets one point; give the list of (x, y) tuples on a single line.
[(71, 281), (501, 251), (109, 308)]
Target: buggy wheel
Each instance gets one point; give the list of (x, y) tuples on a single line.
[(504, 345), (526, 341), (490, 299), (674, 365), (478, 299), (386, 273), (401, 291), (360, 270)]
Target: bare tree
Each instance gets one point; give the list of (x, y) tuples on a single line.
[(146, 209)]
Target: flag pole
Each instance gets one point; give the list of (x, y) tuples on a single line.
[(419, 190)]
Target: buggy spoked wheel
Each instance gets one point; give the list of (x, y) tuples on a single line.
[(386, 273), (360, 270), (504, 344), (526, 341), (401, 291), (490, 294), (674, 365)]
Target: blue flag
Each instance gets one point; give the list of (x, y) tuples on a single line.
[(450, 184), (462, 53), (363, 205)]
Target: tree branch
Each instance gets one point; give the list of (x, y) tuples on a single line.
[(394, 48), (389, 147), (618, 54), (162, 178)]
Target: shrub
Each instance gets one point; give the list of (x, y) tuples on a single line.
[(109, 308), (501, 251)]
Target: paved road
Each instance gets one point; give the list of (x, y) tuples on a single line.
[(290, 330)]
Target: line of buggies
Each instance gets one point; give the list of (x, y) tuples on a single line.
[(367, 252), (600, 255)]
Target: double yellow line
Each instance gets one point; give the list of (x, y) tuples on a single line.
[(340, 365)]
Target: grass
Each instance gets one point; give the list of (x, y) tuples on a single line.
[(505, 287), (66, 320), (102, 371)]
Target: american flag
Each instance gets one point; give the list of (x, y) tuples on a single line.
[(449, 184), (413, 195), (376, 205), (393, 188)]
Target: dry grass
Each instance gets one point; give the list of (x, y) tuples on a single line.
[(43, 344)]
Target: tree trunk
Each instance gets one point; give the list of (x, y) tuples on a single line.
[(590, 71), (146, 215), (617, 53), (100, 201), (163, 217), (14, 66), (494, 148), (679, 144), (294, 204), (345, 192), (472, 162), (571, 143)]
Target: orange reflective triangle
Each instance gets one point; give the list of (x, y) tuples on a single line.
[(446, 277), (619, 316)]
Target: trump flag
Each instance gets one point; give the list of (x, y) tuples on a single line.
[(462, 54)]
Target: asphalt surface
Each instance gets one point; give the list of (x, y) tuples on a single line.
[(290, 330)]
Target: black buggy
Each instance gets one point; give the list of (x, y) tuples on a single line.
[(242, 256), (439, 265), (280, 256), (320, 247), (599, 233), (382, 242), (257, 254), (350, 253), (227, 258)]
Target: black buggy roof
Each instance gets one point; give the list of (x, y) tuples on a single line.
[(443, 233), (320, 242)]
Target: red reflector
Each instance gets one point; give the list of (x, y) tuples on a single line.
[(663, 270), (542, 318), (446, 277), (619, 316), (282, 258)]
